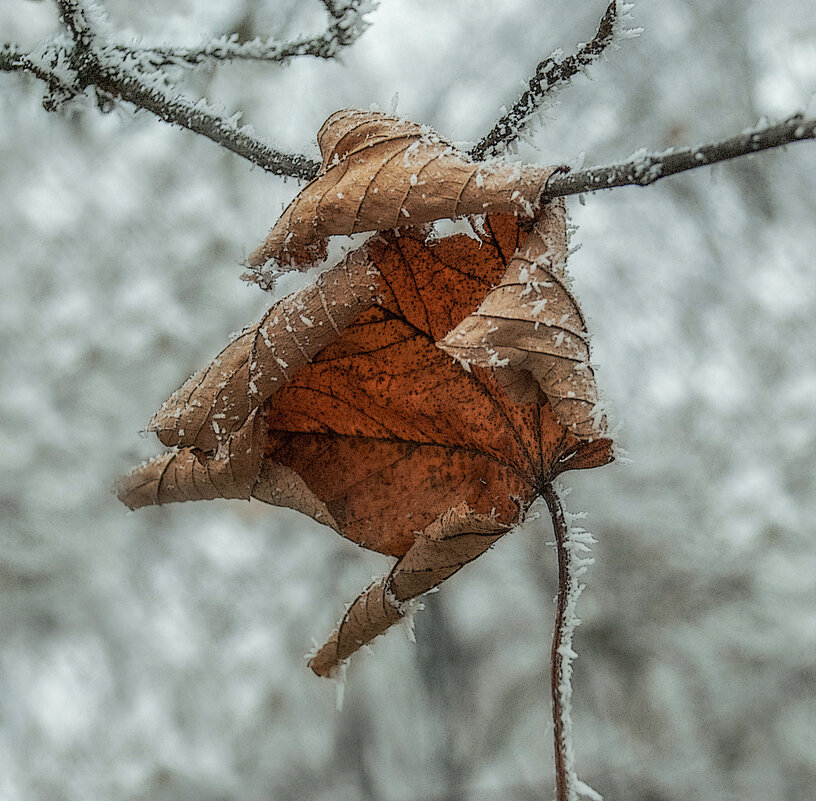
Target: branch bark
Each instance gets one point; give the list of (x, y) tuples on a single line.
[(133, 75), (550, 76), (644, 169), (118, 72)]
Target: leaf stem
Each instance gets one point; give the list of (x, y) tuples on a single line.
[(574, 547), (560, 529)]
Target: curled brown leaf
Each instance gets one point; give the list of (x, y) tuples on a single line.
[(344, 403), (380, 172), (530, 324), (454, 539), (218, 399)]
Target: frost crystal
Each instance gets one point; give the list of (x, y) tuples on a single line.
[(338, 676)]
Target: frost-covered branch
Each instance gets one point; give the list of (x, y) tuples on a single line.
[(228, 48), (79, 18), (551, 75), (573, 545), (201, 118), (643, 169), (14, 60), (87, 58), (347, 23)]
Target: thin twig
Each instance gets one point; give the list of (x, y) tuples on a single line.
[(550, 75), (74, 16), (560, 530), (14, 60), (197, 117), (333, 8), (226, 49), (90, 59), (644, 168), (347, 23)]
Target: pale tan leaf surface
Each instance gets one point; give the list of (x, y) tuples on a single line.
[(191, 474), (455, 538), (235, 470), (218, 399), (281, 486), (530, 325), (380, 172)]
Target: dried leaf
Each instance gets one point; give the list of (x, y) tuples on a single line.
[(190, 474), (218, 399), (344, 402), (531, 324), (447, 545), (381, 172)]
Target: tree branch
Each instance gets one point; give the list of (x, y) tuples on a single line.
[(89, 59), (550, 76), (146, 92), (118, 72), (347, 24), (202, 119), (643, 169)]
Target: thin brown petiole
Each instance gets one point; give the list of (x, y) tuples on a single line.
[(560, 529)]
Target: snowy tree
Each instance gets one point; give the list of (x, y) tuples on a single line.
[(157, 656)]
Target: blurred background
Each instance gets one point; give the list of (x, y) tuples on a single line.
[(159, 655)]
